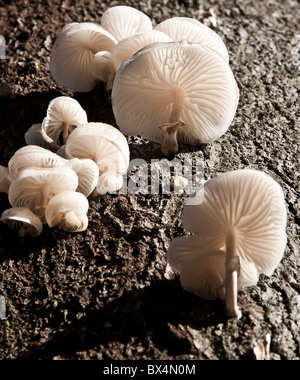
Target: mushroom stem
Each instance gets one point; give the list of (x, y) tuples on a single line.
[(170, 144), (70, 222), (45, 196), (232, 272), (102, 68), (65, 132)]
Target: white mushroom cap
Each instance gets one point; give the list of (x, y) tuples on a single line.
[(184, 28), (68, 210), (34, 136), (5, 179), (34, 187), (23, 220), (123, 21), (88, 174), (72, 53), (175, 87), (64, 114), (202, 271), (34, 156), (243, 209), (131, 45), (102, 143)]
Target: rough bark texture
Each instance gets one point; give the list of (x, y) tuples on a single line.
[(106, 292)]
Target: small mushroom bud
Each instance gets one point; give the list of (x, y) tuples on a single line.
[(68, 211)]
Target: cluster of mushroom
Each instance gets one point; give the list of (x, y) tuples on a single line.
[(66, 160), (169, 83)]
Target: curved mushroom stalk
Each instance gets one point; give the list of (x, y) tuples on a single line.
[(102, 68), (23, 220), (68, 211)]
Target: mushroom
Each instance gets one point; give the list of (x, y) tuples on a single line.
[(239, 232), (5, 179), (184, 28), (64, 114), (131, 45), (175, 91), (123, 21), (104, 65), (68, 211), (88, 174), (34, 156), (34, 187), (23, 220), (103, 144), (73, 51), (35, 136)]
